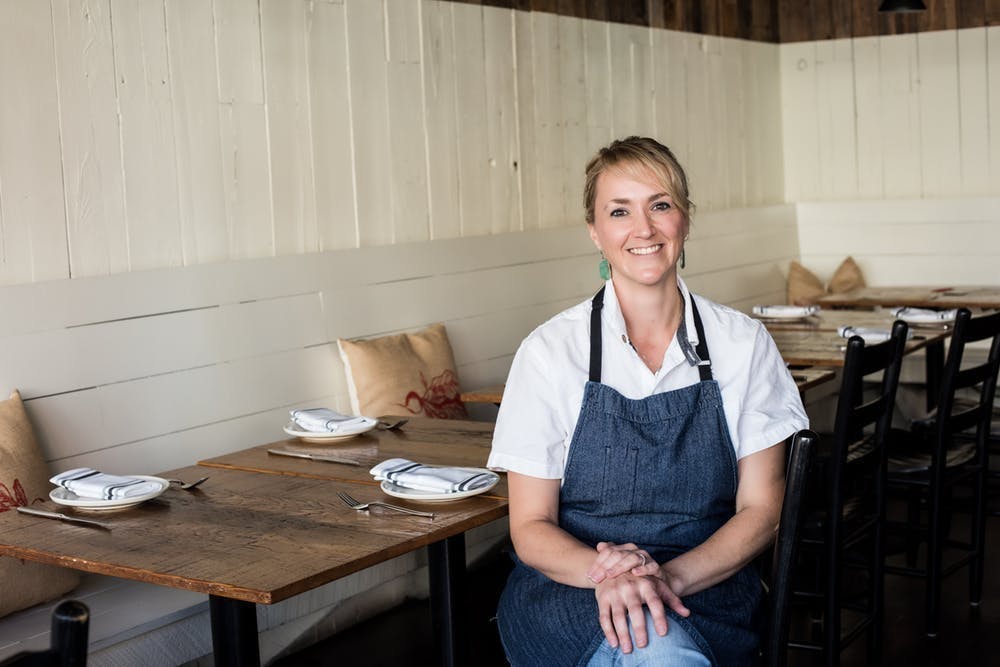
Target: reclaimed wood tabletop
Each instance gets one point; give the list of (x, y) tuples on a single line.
[(958, 296)]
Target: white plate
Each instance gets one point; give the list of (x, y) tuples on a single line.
[(784, 312), (436, 496), (64, 496), (292, 429)]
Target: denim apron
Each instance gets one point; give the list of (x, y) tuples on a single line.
[(659, 472)]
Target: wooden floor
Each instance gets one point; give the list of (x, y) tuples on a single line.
[(969, 635)]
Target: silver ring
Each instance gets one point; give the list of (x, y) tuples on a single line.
[(643, 558)]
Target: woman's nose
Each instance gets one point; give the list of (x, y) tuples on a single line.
[(643, 226)]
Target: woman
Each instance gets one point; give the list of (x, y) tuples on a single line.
[(638, 498)]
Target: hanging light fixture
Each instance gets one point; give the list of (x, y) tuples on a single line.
[(902, 6)]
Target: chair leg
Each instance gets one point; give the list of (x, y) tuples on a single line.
[(935, 543), (831, 619), (912, 519), (978, 539), (878, 598)]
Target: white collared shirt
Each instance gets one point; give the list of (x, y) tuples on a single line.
[(544, 390)]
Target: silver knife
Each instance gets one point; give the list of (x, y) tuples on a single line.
[(62, 517), (314, 457)]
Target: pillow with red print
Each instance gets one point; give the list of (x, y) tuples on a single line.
[(24, 480), (403, 374)]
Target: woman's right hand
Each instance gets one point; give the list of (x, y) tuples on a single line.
[(616, 559)]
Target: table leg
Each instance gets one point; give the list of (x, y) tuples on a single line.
[(934, 360), (447, 581), (234, 632)]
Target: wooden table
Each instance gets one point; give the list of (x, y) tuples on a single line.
[(959, 296), (434, 441), (814, 341), (242, 538), (491, 394)]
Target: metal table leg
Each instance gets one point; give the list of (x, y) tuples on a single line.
[(234, 632), (447, 581)]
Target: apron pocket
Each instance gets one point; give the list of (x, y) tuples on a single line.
[(620, 469)]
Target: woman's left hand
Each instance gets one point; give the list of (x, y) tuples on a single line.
[(617, 559), (620, 602)]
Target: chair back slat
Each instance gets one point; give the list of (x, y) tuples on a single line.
[(800, 457)]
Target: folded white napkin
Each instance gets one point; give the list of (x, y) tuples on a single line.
[(785, 311), (924, 315), (89, 483), (869, 334), (411, 475), (324, 420)]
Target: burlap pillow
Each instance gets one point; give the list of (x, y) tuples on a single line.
[(24, 480), (403, 374), (847, 277), (804, 288)]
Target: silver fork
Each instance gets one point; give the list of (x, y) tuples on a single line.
[(351, 502), (187, 485)]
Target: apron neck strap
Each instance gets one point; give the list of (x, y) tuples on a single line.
[(597, 304), (595, 335), (701, 349)]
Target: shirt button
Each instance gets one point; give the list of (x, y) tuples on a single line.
[(624, 339)]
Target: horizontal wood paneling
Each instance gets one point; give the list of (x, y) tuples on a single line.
[(771, 20), (921, 242), (150, 370)]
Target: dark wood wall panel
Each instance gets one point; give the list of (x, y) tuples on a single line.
[(770, 20)]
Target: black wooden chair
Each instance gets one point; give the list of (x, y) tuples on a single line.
[(941, 455), (841, 568), (783, 555), (68, 642)]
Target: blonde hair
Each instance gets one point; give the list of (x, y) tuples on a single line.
[(637, 157)]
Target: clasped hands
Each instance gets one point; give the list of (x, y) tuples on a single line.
[(626, 578)]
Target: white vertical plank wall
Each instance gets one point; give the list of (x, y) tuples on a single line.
[(142, 134), (922, 112)]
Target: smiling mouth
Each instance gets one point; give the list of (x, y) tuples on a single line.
[(648, 250)]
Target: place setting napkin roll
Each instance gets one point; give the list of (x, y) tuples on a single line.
[(90, 483), (418, 476), (324, 420)]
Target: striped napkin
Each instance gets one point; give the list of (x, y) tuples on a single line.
[(324, 420), (89, 483), (924, 315), (869, 334), (411, 475)]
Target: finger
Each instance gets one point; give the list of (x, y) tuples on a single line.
[(621, 629), (671, 599), (658, 614), (608, 627), (646, 566), (638, 619)]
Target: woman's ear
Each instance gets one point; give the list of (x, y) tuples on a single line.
[(592, 229)]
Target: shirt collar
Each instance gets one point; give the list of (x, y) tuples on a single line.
[(616, 321)]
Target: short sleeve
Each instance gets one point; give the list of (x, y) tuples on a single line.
[(771, 409), (529, 437)]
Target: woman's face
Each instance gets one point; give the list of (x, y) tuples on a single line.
[(637, 227)]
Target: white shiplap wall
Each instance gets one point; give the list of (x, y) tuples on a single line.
[(897, 117), (140, 134)]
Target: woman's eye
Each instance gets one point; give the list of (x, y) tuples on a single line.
[(661, 206), (618, 212)]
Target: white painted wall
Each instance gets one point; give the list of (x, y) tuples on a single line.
[(898, 117), (140, 134)]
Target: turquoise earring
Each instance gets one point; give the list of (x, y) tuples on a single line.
[(604, 268)]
